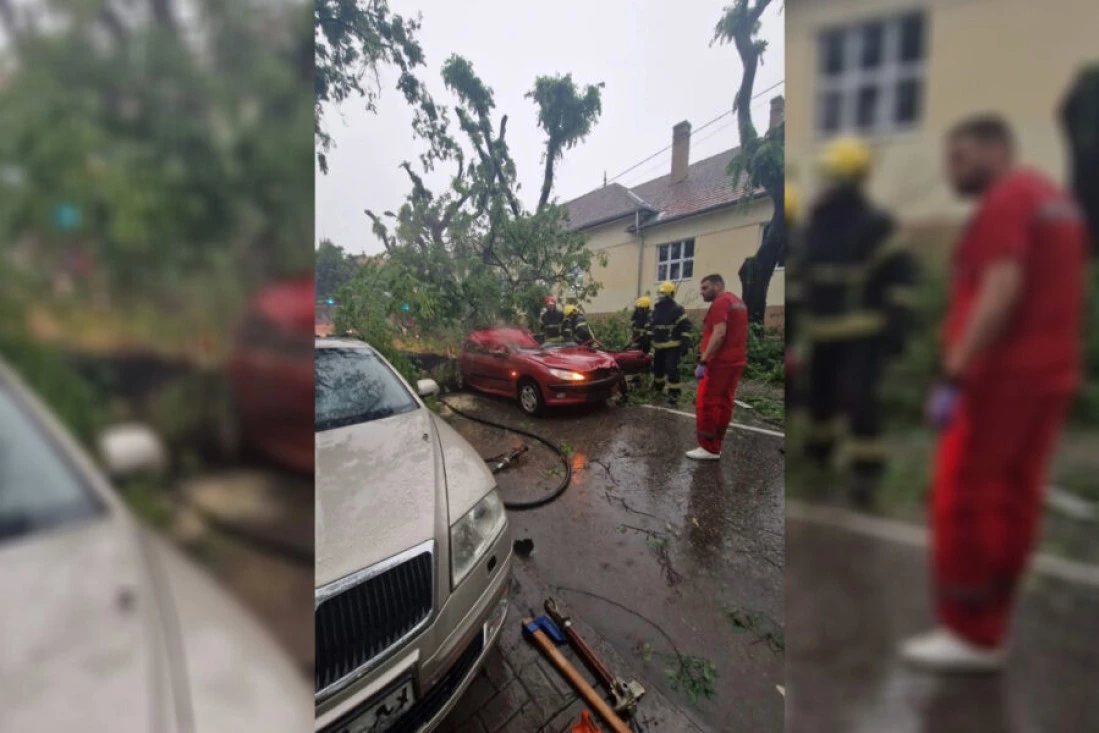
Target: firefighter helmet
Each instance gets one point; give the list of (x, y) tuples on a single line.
[(845, 159), (550, 300), (644, 302), (666, 288), (569, 310)]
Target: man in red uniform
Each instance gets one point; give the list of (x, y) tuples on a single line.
[(1012, 361), (724, 353)]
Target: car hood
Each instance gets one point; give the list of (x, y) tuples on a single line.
[(378, 492), (238, 679), (73, 655), (576, 359)]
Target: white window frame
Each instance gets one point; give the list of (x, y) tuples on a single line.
[(680, 260), (885, 78)]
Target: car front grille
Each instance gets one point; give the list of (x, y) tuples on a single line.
[(434, 700), (362, 619), (600, 374)]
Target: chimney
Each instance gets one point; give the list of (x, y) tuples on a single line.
[(681, 150), (778, 112)]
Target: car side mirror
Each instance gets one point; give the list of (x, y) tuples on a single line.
[(427, 387), (132, 450)]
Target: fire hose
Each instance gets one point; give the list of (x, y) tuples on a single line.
[(519, 506)]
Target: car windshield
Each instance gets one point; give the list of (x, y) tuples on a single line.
[(39, 489), (355, 386)]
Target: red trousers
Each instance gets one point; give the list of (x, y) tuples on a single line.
[(714, 406), (986, 505)]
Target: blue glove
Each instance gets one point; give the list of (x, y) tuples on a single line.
[(700, 371), (942, 405)]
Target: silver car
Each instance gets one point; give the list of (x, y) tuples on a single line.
[(413, 550), (103, 625)]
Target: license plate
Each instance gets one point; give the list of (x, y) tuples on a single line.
[(382, 714)]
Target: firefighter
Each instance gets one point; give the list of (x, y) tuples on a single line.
[(856, 282), (552, 323), (720, 364), (1011, 363), (794, 296), (670, 331), (641, 333), (576, 327)]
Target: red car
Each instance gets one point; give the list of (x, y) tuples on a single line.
[(510, 363), (271, 374)]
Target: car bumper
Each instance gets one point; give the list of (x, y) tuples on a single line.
[(440, 675), (578, 394)]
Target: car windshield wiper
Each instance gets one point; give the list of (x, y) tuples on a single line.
[(358, 418)]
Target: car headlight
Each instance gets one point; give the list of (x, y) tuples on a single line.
[(473, 534), (567, 375)]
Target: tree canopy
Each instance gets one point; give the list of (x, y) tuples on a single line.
[(154, 148), (760, 161), (473, 252)]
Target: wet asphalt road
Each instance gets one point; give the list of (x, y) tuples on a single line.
[(645, 538), (851, 597)]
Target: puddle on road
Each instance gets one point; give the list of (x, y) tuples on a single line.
[(644, 538)]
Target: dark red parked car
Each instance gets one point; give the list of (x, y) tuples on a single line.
[(509, 362), (271, 374)]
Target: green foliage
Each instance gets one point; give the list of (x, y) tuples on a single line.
[(566, 116), (168, 151), (368, 309), (758, 162), (766, 355), (356, 38), (334, 268), (694, 676), (471, 255)]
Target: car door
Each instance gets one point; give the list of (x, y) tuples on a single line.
[(472, 364)]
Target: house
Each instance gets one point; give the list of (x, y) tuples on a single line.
[(680, 227), (901, 73)]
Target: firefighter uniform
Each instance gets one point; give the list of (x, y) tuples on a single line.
[(641, 333), (552, 323), (670, 330), (575, 327), (850, 308)]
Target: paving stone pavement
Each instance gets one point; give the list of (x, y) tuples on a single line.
[(519, 691)]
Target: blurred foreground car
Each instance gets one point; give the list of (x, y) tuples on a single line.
[(271, 376), (103, 625), (413, 550), (511, 363)]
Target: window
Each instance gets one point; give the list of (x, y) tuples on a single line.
[(354, 386), (40, 491), (872, 76), (675, 261)]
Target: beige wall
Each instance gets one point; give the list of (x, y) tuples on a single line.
[(1014, 57), (722, 242)]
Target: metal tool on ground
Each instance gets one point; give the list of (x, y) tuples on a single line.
[(502, 461), (624, 695), (585, 725), (542, 631)]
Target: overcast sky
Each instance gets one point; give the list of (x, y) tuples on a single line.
[(653, 55)]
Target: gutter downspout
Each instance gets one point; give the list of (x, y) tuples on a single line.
[(640, 250)]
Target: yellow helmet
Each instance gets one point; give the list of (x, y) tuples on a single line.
[(846, 159), (666, 288), (791, 203), (570, 309), (644, 302)]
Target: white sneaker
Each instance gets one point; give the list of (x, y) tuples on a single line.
[(701, 454), (942, 650)]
